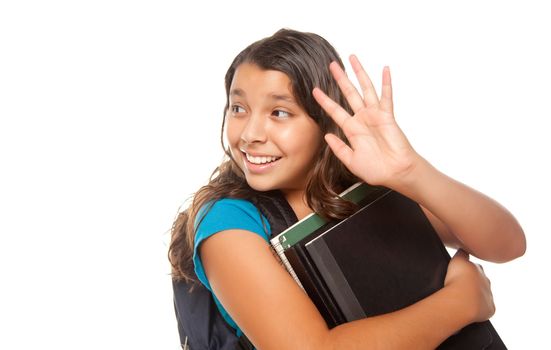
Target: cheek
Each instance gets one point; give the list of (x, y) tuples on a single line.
[(313, 148), (233, 132), (284, 136), (233, 136), (304, 140), (313, 141)]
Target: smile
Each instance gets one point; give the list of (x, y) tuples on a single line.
[(261, 159)]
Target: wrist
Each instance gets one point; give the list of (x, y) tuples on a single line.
[(412, 180), (465, 310)]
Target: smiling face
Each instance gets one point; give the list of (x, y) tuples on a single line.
[(273, 140)]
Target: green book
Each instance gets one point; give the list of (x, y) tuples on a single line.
[(313, 222)]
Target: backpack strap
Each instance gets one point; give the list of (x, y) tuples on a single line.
[(244, 343), (274, 206)]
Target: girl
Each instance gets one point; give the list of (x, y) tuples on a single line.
[(295, 123)]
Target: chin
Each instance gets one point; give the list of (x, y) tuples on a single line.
[(261, 187)]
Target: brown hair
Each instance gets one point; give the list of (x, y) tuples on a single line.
[(304, 58)]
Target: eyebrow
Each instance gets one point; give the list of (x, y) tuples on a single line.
[(237, 92), (276, 97), (284, 97)]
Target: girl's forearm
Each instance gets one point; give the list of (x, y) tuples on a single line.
[(423, 325), (481, 225)]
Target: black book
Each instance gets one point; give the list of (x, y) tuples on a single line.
[(382, 258)]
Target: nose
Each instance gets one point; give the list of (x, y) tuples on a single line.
[(255, 129)]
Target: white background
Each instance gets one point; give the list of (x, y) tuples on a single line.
[(109, 119)]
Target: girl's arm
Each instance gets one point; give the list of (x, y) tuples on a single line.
[(466, 218), (380, 154), (275, 313)]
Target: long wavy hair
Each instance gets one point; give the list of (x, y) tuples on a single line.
[(304, 58)]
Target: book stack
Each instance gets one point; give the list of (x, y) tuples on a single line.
[(382, 258)]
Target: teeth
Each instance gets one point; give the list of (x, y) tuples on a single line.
[(261, 160)]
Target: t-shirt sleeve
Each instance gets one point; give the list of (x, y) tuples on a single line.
[(226, 214)]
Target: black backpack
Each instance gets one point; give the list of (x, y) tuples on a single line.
[(200, 324)]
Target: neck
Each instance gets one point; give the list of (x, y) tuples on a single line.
[(297, 201)]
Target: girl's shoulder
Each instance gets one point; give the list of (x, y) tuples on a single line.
[(228, 206), (244, 205), (230, 213)]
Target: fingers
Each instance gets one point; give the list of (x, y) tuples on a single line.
[(369, 93), (341, 149), (386, 91), (461, 254), (347, 88), (481, 269), (356, 101), (332, 108)]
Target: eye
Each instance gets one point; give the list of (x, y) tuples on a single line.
[(237, 109), (281, 114)]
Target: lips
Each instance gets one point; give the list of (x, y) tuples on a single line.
[(258, 164)]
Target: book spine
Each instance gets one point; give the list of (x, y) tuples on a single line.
[(314, 286), (335, 280)]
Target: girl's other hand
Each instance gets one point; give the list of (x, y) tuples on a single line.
[(379, 152), (472, 286)]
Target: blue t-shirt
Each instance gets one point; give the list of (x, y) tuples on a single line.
[(226, 214)]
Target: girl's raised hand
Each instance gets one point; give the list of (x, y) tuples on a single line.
[(379, 152)]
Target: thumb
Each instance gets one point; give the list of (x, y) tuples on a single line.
[(461, 254)]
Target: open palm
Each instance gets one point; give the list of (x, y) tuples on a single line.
[(379, 152)]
